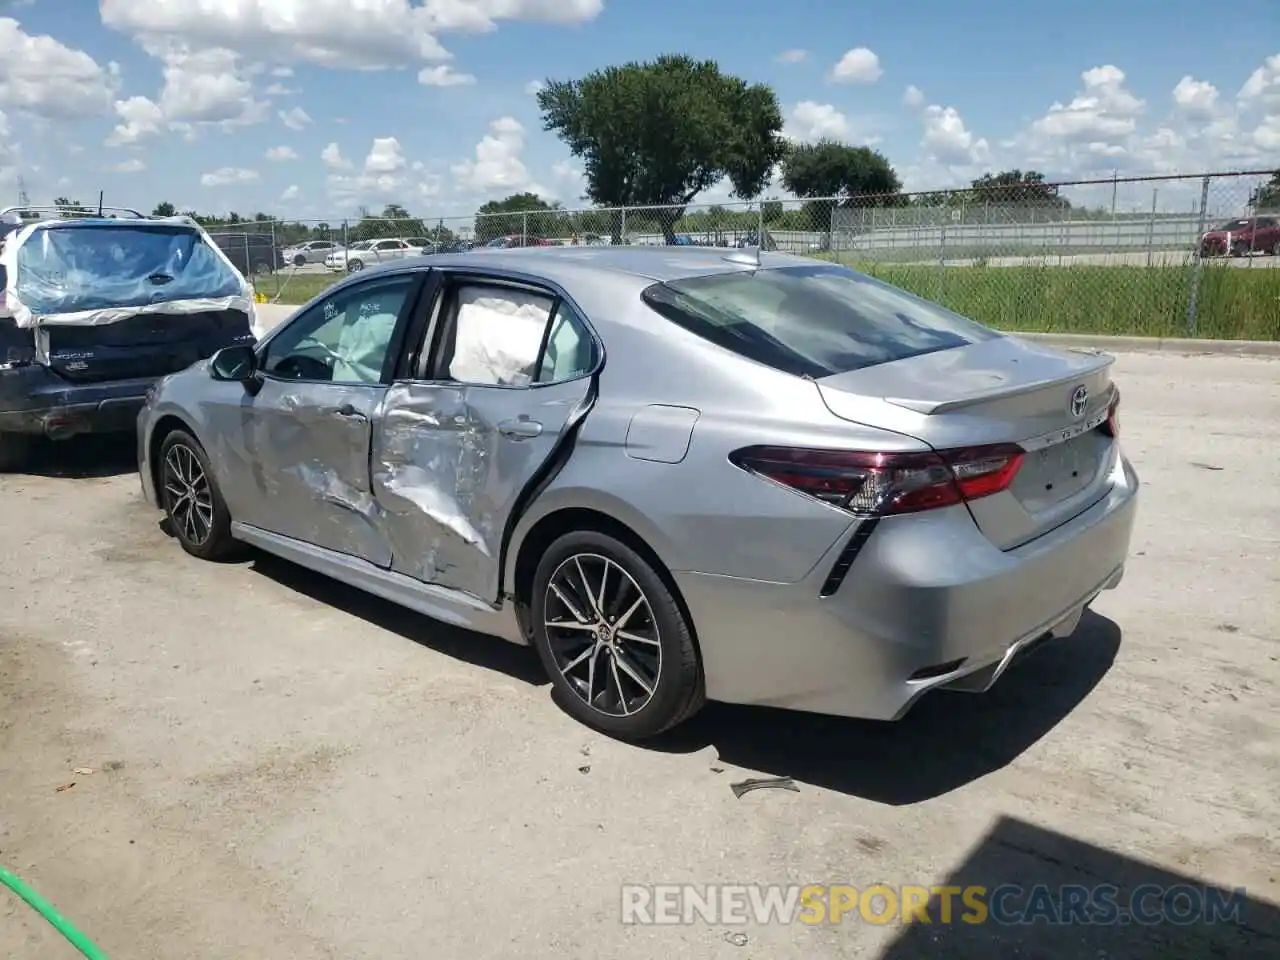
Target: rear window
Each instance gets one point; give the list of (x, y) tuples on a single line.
[(812, 321), (62, 269)]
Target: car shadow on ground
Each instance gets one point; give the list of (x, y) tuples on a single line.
[(1055, 903), (520, 663), (947, 740), (93, 455)]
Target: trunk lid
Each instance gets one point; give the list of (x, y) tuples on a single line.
[(1005, 390), (146, 345)]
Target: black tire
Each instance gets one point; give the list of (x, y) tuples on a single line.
[(299, 261), (354, 266), (14, 448), (203, 533), (659, 647)]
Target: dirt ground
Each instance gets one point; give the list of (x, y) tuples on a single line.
[(283, 769)]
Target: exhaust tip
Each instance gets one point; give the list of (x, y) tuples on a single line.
[(937, 670)]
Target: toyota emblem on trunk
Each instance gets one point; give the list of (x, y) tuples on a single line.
[(1079, 400)]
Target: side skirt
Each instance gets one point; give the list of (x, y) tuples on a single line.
[(439, 603)]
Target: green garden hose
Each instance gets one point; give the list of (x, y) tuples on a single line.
[(56, 920)]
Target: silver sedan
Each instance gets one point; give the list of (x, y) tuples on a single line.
[(679, 474)]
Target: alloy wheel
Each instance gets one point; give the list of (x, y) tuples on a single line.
[(603, 635), (188, 494)]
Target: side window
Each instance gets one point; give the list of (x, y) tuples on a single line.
[(388, 245), (570, 349), (494, 336), (343, 339)]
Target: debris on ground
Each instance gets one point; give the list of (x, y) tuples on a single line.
[(737, 939), (764, 783), (64, 787), (585, 768), (82, 772)]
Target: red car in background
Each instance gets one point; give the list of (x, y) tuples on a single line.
[(1238, 238)]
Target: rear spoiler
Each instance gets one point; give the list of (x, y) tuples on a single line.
[(929, 407)]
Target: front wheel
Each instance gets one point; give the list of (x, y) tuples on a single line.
[(354, 266), (613, 638), (193, 505)]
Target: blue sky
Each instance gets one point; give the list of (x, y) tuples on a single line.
[(311, 108)]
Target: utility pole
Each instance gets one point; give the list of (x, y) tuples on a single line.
[(23, 200)]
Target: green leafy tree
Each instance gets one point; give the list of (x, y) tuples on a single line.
[(659, 133), (835, 174), (1017, 188), (521, 214), (164, 209), (393, 221), (1267, 196)]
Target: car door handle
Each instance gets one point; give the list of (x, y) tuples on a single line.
[(349, 412), (520, 429)]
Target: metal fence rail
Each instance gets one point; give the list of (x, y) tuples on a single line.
[(1167, 256)]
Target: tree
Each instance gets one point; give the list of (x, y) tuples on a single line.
[(518, 215), (164, 209), (837, 171), (1018, 188), (1267, 196), (659, 133)]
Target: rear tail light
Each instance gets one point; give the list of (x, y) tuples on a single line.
[(881, 484), (1112, 425)]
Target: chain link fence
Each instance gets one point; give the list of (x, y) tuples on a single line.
[(1176, 256)]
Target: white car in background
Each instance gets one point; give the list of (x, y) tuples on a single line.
[(310, 251), (368, 253)]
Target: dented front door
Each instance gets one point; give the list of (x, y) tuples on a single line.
[(310, 447), (450, 462)]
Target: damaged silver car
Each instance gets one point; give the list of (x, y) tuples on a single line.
[(678, 473)]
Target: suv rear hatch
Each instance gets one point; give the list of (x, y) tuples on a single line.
[(1053, 404), (121, 299)]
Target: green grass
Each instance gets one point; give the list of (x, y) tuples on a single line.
[(1234, 303)]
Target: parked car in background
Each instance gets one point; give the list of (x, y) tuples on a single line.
[(679, 474), (311, 251), (253, 254), (1241, 237), (420, 244), (368, 253), (94, 310), (518, 240)]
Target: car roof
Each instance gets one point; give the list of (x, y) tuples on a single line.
[(657, 263)]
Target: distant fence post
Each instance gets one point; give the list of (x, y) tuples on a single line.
[(760, 225), (623, 235), (524, 228), (942, 258), (1151, 225), (1193, 295)]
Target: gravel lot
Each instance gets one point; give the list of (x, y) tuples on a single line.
[(283, 769)]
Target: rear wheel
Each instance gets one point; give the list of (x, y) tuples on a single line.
[(299, 261), (14, 448), (192, 502), (355, 265), (613, 639)]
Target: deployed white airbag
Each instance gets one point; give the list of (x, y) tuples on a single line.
[(498, 336)]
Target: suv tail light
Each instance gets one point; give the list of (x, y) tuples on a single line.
[(1112, 425), (881, 484)]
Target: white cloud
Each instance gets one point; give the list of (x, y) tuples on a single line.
[(295, 118), (372, 34), (1263, 85), (858, 65), (497, 166), (280, 154), (282, 72), (291, 192), (280, 90), (913, 97), (384, 156), (444, 76), (1103, 111), (810, 120), (1196, 98), (40, 75), (947, 141), (333, 158), (139, 118), (133, 165), (226, 176), (534, 87), (792, 56)]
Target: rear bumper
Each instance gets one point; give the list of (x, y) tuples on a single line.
[(928, 602), (35, 401)]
